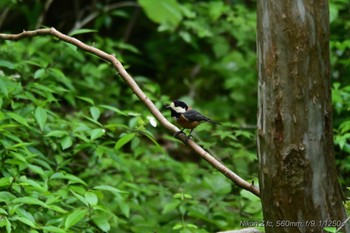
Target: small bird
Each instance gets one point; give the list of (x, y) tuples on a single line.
[(187, 117)]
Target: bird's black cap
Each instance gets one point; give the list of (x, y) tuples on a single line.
[(179, 103)]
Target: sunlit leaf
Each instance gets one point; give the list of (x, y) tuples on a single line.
[(57, 133), (26, 221), (80, 198), (123, 140), (91, 198), (66, 142), (96, 133), (41, 116), (40, 73), (82, 31), (101, 222), (95, 113), (74, 218), (70, 177), (53, 229), (165, 11), (114, 109), (170, 206), (7, 64), (5, 181), (18, 118), (86, 99), (29, 200), (109, 188)]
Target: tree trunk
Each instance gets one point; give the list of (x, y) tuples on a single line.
[(298, 180)]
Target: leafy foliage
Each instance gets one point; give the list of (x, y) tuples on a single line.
[(72, 161), (79, 153), (340, 50)]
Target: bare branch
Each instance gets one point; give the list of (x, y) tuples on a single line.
[(43, 13), (141, 95), (93, 15), (4, 15)]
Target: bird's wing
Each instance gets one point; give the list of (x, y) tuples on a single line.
[(193, 115)]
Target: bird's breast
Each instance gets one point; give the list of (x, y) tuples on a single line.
[(186, 123)]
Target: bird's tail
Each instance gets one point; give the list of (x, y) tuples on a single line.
[(213, 122)]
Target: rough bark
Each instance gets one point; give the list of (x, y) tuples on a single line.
[(298, 180)]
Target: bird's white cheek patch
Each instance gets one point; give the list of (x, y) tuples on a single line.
[(179, 109)]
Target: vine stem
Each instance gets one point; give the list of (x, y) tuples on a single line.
[(142, 96)]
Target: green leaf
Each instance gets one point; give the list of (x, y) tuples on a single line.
[(151, 137), (330, 229), (91, 198), (113, 109), (8, 226), (170, 206), (72, 47), (5, 222), (19, 157), (82, 31), (5, 181), (26, 221), (178, 226), (216, 9), (25, 214), (218, 183), (125, 208), (71, 178), (162, 12), (96, 133), (3, 212), (57, 133), (95, 113), (80, 197), (41, 117), (333, 12), (29, 201), (109, 188), (86, 99), (18, 118), (53, 229), (189, 225), (32, 184), (36, 169), (40, 73), (6, 196), (74, 218), (57, 209), (60, 77), (102, 222), (7, 64), (66, 142), (2, 115), (123, 140)]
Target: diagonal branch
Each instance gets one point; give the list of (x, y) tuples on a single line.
[(141, 95)]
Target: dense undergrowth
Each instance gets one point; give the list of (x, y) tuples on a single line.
[(80, 153)]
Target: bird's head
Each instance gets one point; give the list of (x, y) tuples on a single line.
[(178, 106)]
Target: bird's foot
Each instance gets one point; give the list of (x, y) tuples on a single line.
[(188, 138), (178, 132)]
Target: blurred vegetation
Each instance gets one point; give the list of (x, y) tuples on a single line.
[(80, 153)]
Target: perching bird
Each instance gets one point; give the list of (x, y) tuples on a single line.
[(186, 117)]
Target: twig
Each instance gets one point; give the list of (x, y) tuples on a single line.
[(95, 14), (4, 15), (42, 15), (131, 24), (136, 89)]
